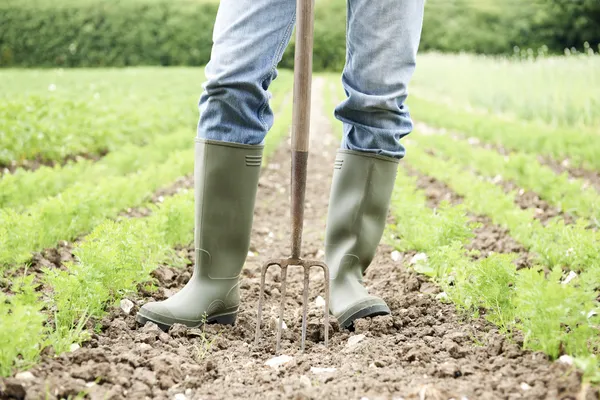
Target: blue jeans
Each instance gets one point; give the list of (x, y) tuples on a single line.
[(250, 37)]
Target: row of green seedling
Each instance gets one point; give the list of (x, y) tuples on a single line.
[(573, 247), (23, 187), (85, 204), (50, 128), (571, 196), (555, 317), (528, 137), (112, 261)]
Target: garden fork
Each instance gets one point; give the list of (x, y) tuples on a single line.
[(300, 144)]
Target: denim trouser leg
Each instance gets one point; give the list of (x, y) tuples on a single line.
[(249, 39), (382, 41)]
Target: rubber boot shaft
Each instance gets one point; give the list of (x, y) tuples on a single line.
[(360, 197), (226, 181)]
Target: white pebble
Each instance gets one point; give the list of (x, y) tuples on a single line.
[(354, 340), (126, 306), (525, 386), (395, 255), (443, 296), (565, 359), (320, 302), (305, 381), (418, 258), (572, 275), (74, 347), (180, 396), (320, 370), (278, 361), (25, 376)]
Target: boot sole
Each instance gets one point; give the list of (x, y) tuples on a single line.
[(346, 320), (223, 319)]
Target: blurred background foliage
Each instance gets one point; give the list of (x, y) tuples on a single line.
[(94, 33)]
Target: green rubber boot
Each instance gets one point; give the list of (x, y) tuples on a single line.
[(360, 197), (226, 181)]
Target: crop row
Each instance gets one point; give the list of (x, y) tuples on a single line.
[(557, 244), (23, 187), (86, 203), (529, 137), (112, 261), (47, 115), (569, 195), (555, 316)]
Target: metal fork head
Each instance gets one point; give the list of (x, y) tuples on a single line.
[(284, 264)]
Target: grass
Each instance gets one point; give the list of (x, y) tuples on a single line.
[(557, 91)]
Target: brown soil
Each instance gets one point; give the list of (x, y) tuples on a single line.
[(425, 350), (32, 165), (590, 177), (526, 199)]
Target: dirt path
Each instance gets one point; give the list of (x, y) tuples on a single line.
[(423, 351)]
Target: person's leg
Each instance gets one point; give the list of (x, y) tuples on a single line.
[(250, 36), (249, 39), (382, 42), (383, 37)]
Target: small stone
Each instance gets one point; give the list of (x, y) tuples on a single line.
[(90, 384), (188, 392), (572, 275), (321, 370), (354, 340), (250, 254), (276, 362), (448, 370), (320, 302), (164, 337), (25, 376), (305, 381), (73, 347), (180, 396), (443, 297), (396, 255), (418, 258), (151, 327), (525, 386), (565, 359), (126, 306), (144, 346)]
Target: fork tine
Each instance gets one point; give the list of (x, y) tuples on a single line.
[(281, 307), (326, 276), (305, 303), (261, 295)]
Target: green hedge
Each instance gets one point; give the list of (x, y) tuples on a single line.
[(95, 33)]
